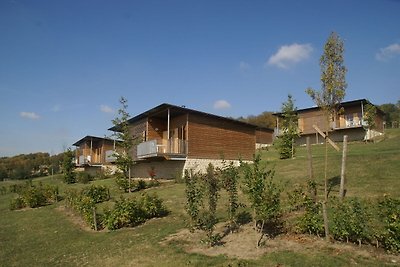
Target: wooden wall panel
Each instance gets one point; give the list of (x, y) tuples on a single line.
[(212, 138), (264, 136), (156, 128), (309, 118)]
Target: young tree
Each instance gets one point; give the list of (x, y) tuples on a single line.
[(68, 167), (330, 96), (263, 195), (286, 141), (124, 159), (370, 115), (229, 178)]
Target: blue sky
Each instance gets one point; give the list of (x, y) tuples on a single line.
[(65, 64)]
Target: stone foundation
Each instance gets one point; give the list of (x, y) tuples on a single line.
[(171, 169)]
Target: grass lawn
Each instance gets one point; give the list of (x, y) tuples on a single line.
[(49, 237)]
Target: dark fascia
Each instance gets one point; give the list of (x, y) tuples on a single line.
[(343, 104), (165, 106), (93, 138)]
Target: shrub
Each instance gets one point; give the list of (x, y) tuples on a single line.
[(85, 205), (50, 192), (132, 212), (104, 174), (152, 206), (3, 190), (33, 196), (311, 221), (389, 214), (296, 198), (83, 177), (194, 196), (122, 182), (350, 220), (140, 185), (98, 193), (17, 203)]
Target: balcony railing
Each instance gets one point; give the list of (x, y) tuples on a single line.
[(154, 148), (110, 156)]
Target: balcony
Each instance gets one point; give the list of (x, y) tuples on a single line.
[(173, 148)]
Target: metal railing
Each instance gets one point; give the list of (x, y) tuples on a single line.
[(155, 148)]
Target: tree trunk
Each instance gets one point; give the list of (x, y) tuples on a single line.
[(326, 221), (94, 219), (292, 147), (309, 156), (261, 235), (310, 168), (343, 172), (324, 210), (129, 180)]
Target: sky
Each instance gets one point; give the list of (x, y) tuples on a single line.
[(65, 64)]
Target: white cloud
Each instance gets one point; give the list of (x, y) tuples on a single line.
[(288, 55), (244, 66), (388, 52), (106, 109), (29, 115), (222, 104)]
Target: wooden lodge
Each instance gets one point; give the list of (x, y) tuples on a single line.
[(94, 152), (350, 122), (172, 138)]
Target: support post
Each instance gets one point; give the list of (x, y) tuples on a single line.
[(168, 121), (309, 157), (342, 190)]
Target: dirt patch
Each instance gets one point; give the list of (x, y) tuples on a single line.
[(74, 218), (242, 245)]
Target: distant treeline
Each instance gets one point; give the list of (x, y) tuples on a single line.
[(392, 116), (27, 166)]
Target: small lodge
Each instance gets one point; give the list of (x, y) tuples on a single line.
[(349, 122)]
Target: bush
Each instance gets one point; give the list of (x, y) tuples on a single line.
[(83, 177), (17, 203), (350, 221), (85, 206), (132, 212), (3, 190), (389, 215), (296, 198), (311, 221), (33, 196), (98, 193), (136, 185), (152, 206)]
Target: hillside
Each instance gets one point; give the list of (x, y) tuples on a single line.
[(49, 236)]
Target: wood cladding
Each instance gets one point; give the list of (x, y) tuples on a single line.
[(264, 136), (213, 138)]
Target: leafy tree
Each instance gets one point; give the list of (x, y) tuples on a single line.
[(124, 159), (208, 218), (230, 176), (330, 96), (370, 115), (194, 196), (392, 114), (286, 141), (68, 167)]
